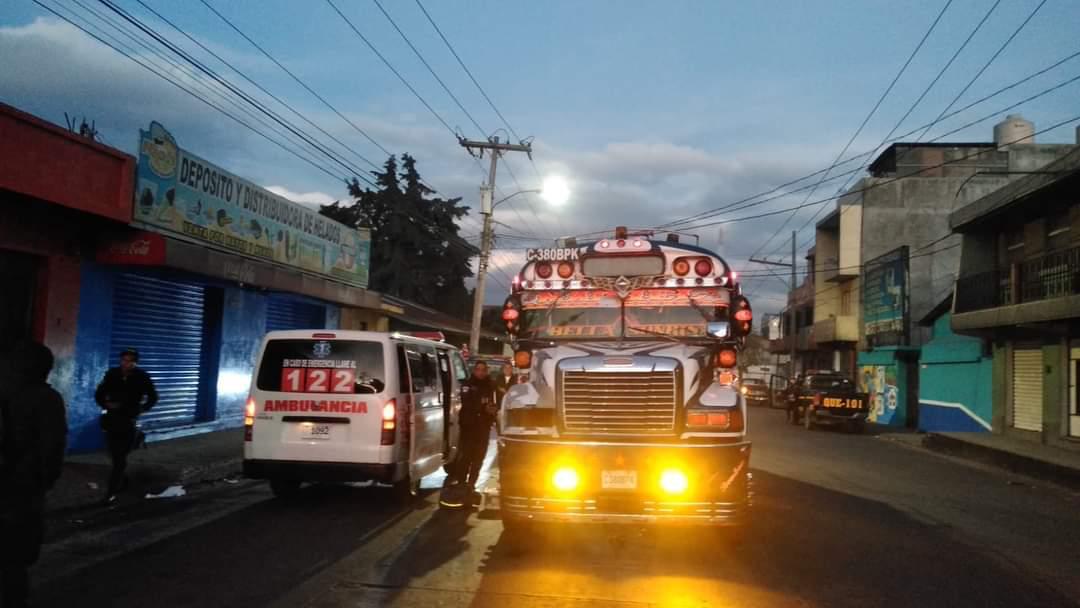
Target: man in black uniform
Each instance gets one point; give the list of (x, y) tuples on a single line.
[(124, 394), (478, 409), (34, 439)]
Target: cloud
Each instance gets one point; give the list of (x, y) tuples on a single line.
[(50, 68), (310, 199)]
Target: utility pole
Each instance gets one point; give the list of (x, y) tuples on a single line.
[(791, 306), (487, 196)]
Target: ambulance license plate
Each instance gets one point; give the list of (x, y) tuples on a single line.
[(618, 480), (311, 430)]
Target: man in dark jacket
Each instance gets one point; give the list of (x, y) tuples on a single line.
[(478, 409), (124, 394), (34, 440)]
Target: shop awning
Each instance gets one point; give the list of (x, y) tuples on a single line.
[(144, 248)]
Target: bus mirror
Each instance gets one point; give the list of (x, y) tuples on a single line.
[(718, 329)]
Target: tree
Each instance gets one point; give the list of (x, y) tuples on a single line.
[(416, 251)]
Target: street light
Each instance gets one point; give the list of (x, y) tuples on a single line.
[(555, 192)]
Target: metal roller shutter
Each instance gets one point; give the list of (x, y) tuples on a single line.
[(164, 321), (285, 313), (1027, 388)]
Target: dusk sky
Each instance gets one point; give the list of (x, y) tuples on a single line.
[(652, 111)]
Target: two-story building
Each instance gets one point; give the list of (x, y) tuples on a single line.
[(800, 311), (1019, 288)]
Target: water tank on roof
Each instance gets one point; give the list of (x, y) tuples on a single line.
[(1015, 129)]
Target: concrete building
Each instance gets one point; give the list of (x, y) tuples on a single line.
[(1019, 289), (907, 257)]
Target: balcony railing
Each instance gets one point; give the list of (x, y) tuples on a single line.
[(1053, 275)]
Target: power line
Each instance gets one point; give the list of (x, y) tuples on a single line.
[(235, 90), (866, 120), (467, 70), (994, 114), (428, 66), (475, 82), (181, 87), (390, 66), (886, 181), (993, 57), (717, 210), (296, 79), (970, 82), (914, 105)]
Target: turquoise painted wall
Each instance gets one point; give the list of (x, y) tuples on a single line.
[(955, 382)]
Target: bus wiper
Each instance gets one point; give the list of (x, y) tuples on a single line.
[(701, 310), (655, 333), (550, 309)]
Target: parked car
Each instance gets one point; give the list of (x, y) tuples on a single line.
[(826, 398), (754, 390)]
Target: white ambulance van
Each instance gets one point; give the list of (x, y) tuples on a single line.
[(341, 406)]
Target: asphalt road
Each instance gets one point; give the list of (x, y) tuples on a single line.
[(840, 520)]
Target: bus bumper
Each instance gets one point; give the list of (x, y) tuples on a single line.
[(627, 483)]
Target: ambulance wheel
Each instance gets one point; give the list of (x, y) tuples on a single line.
[(856, 427), (405, 490), (284, 488)]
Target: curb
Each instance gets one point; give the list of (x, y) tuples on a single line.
[(1016, 463)]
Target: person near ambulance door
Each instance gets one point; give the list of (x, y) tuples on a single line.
[(32, 444), (478, 410), (503, 382), (124, 394)]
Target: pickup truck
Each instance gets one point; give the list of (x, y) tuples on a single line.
[(826, 398)]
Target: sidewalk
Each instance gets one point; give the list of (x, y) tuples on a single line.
[(1025, 457), (185, 460)]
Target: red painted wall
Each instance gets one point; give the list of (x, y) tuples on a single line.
[(47, 162)]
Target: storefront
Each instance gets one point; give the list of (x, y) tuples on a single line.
[(210, 263), (58, 191)]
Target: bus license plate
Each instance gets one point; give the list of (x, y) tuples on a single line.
[(310, 430), (619, 480)]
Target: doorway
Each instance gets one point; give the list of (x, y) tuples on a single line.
[(18, 275)]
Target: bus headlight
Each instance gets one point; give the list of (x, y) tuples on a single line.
[(674, 481), (565, 479)]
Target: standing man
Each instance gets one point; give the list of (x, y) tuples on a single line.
[(478, 409), (124, 394), (34, 440)]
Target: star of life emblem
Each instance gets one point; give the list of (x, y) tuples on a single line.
[(321, 349)]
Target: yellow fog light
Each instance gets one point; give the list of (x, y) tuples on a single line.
[(674, 481), (565, 479)]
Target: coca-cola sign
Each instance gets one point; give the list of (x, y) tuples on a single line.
[(143, 249)]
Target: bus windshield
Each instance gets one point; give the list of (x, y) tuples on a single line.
[(645, 313)]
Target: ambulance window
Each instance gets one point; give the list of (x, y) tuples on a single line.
[(322, 366), (416, 369), (430, 369), (459, 366)]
